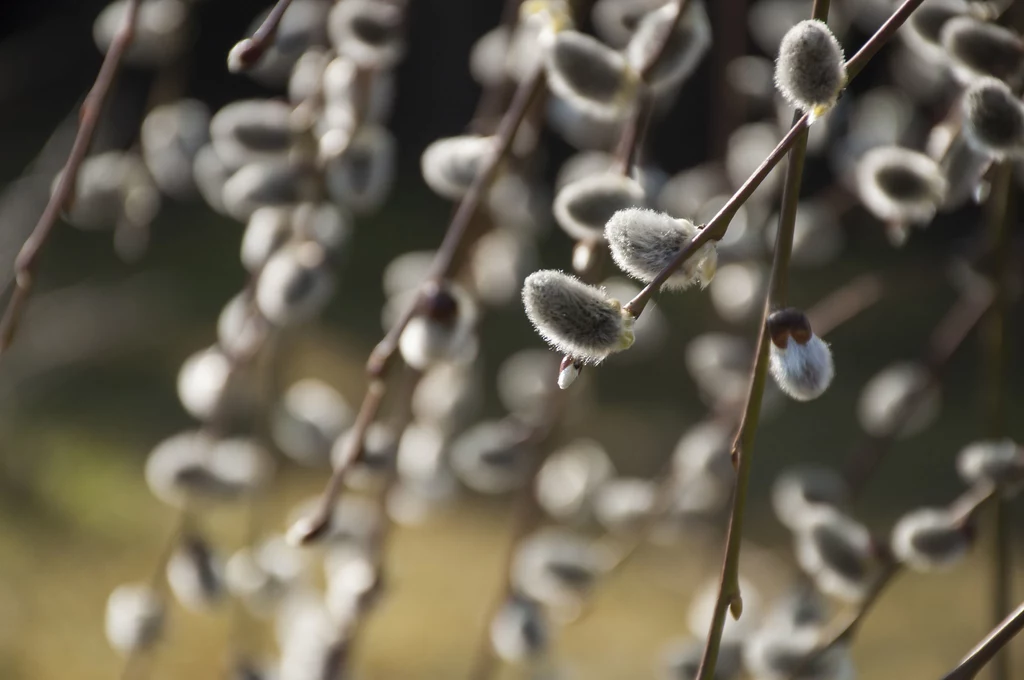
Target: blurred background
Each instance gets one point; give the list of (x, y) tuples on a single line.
[(89, 388)]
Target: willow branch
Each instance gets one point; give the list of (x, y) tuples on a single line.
[(27, 262), (1000, 216), (719, 224), (730, 598), (971, 664), (249, 51)]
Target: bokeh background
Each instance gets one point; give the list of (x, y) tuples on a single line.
[(88, 388)]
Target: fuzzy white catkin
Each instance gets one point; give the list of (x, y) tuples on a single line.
[(368, 32), (881, 401), (800, 492), (804, 371), (929, 539), (993, 119), (294, 285), (810, 70), (977, 48), (575, 318), (570, 476), (583, 206), (644, 242), (518, 630), (428, 341), (557, 567), (135, 617), (451, 165), (689, 42), (900, 185), (196, 575), (993, 461), (361, 177), (836, 551), (589, 76), (309, 417)]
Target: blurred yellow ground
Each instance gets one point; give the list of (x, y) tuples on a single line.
[(443, 577)]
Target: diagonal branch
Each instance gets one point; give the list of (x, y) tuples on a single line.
[(27, 262)]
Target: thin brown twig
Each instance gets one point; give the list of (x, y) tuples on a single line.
[(27, 262), (249, 51), (719, 224), (971, 665)]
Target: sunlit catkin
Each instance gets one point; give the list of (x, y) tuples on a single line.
[(993, 120), (575, 318), (644, 242), (810, 70)]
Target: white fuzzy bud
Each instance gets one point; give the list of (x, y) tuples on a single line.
[(268, 229), (295, 285), (519, 630), (810, 71), (361, 177), (900, 185), (567, 374), (737, 628), (570, 476), (644, 242), (799, 360), (556, 567), (779, 654), (589, 75), (584, 206), (881, 406), (204, 382), (838, 553), (575, 318), (310, 416), (621, 505), (689, 42), (196, 575), (275, 183), (170, 137), (135, 618), (681, 660), (929, 539), (998, 462), (441, 330), (798, 494), (978, 48), (491, 457), (252, 130), (368, 32), (451, 165), (923, 28), (161, 31), (993, 119)]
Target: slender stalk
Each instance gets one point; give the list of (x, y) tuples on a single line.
[(729, 597), (719, 224), (988, 648), (248, 52), (1000, 216), (27, 262)]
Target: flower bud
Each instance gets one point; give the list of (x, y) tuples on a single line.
[(838, 553), (882, 406), (644, 242), (161, 31), (589, 75), (274, 183), (557, 568), (775, 654), (448, 395), (302, 27), (492, 456), (583, 207), (810, 71), (689, 42), (112, 188), (993, 119), (526, 383), (294, 285), (929, 539), (999, 462), (196, 575), (800, 492), (488, 55), (135, 618), (204, 382), (900, 185), (252, 130), (268, 228), (310, 416), (170, 137), (361, 177), (737, 628), (615, 21), (210, 174), (263, 575), (568, 371), (368, 32), (519, 630), (570, 477), (622, 504), (575, 318), (240, 328), (441, 330), (977, 48), (800, 361), (451, 165), (923, 28)]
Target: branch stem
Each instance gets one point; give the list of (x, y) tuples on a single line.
[(984, 652), (27, 262)]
